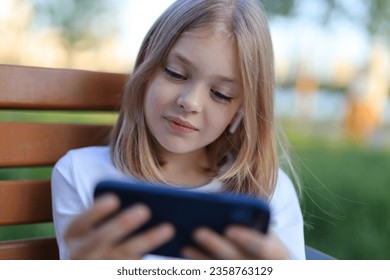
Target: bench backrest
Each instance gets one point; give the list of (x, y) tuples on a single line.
[(25, 143)]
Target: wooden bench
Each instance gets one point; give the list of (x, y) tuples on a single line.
[(27, 144)]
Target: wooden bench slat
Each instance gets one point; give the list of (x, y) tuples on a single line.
[(40, 144), (46, 88), (32, 249), (25, 202)]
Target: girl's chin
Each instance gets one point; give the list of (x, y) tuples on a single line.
[(179, 151), (178, 148)]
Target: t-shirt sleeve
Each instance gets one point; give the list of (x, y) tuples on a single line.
[(286, 217), (66, 200)]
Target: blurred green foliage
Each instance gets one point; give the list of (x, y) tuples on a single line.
[(372, 16), (48, 116), (346, 197), (82, 24)]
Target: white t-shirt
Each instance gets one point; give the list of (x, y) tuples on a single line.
[(76, 174)]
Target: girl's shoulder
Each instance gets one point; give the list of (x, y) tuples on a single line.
[(79, 170), (87, 164), (286, 216), (86, 156), (101, 153), (285, 191), (283, 179)]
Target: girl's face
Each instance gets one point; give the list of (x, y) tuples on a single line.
[(192, 99)]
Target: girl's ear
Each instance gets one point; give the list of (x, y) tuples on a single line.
[(236, 122)]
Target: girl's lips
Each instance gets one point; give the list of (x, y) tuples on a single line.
[(178, 121)]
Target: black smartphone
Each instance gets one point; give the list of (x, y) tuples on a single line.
[(188, 210)]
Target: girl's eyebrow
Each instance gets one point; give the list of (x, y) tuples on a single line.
[(187, 61)]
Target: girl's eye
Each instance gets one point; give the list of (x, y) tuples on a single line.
[(221, 97), (174, 75)]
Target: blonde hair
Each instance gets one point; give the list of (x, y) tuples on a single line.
[(252, 147)]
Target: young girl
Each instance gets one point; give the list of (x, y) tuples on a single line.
[(197, 113)]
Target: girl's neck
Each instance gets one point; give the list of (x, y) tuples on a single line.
[(186, 170)]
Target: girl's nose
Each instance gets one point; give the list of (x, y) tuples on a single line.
[(191, 99)]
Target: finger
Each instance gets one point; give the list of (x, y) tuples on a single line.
[(100, 242), (215, 244), (190, 252), (103, 207), (113, 231), (147, 241), (257, 244)]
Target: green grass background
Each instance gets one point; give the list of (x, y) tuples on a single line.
[(346, 198), (346, 190)]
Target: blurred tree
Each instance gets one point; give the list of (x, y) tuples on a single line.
[(81, 24), (373, 15), (368, 91)]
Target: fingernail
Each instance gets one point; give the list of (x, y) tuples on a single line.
[(186, 253), (231, 233), (201, 235), (139, 210), (107, 200), (167, 230)]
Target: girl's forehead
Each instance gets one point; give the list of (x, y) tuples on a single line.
[(204, 38), (207, 41)]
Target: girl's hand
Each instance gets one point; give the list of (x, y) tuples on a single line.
[(237, 243), (92, 236)]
